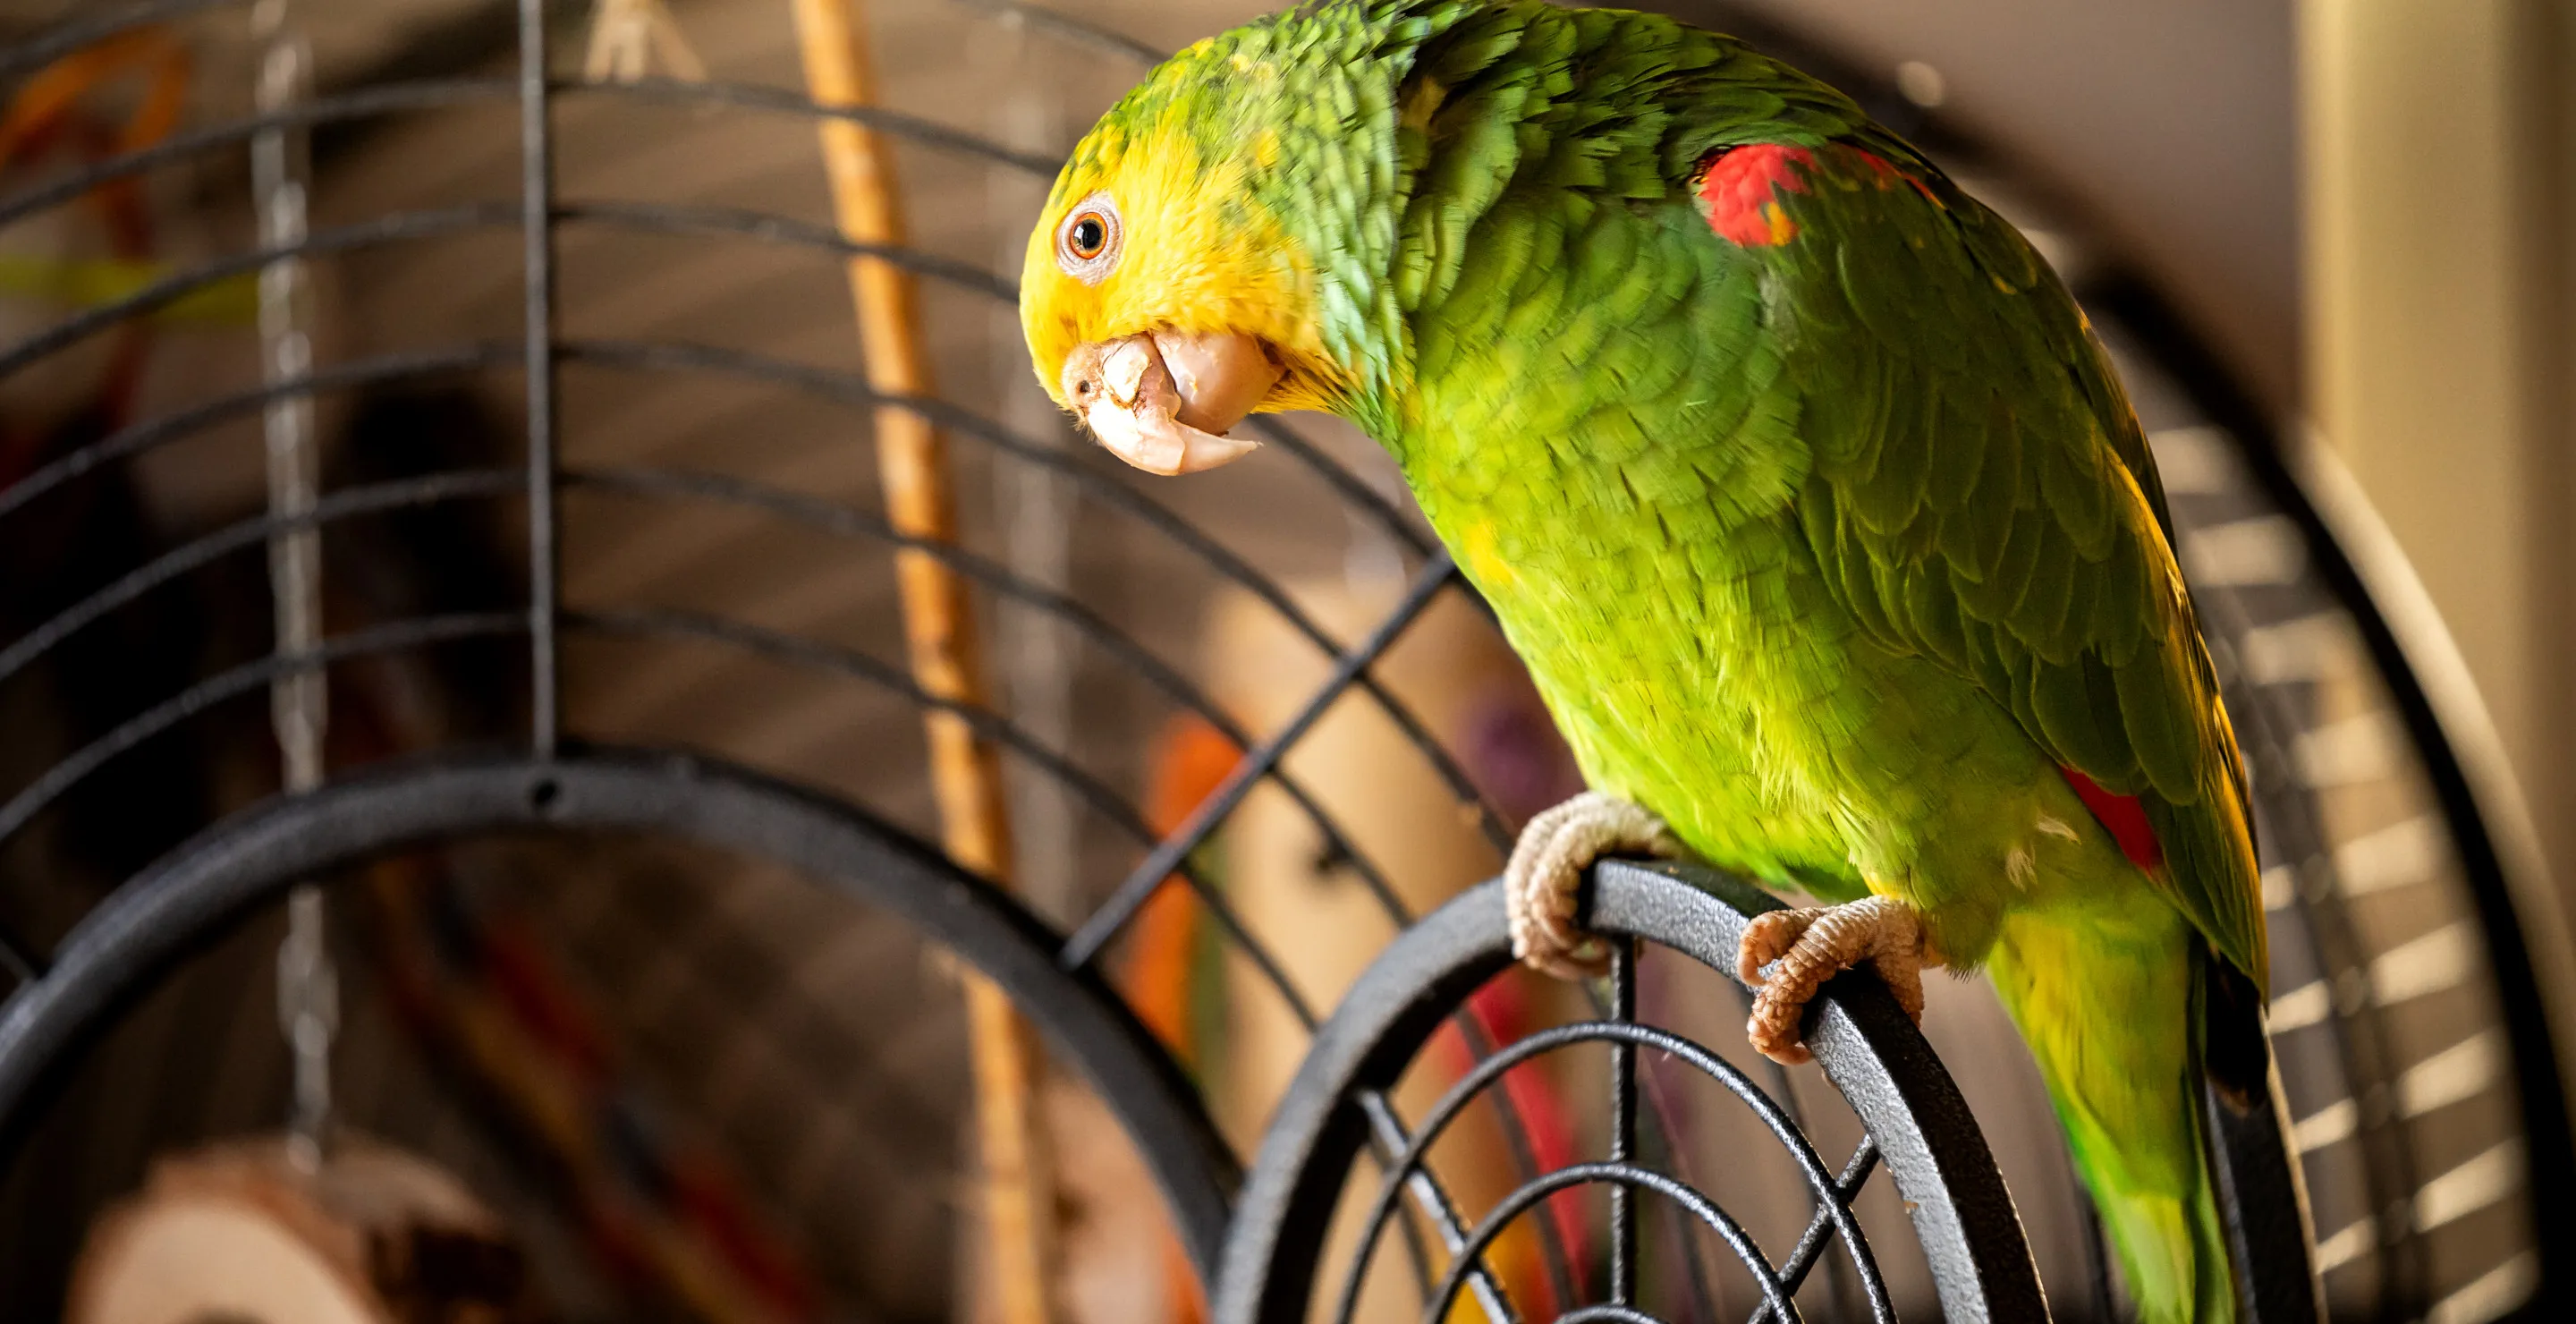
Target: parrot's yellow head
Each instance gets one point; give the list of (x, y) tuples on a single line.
[(1162, 307), (1217, 247)]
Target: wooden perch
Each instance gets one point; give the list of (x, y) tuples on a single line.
[(939, 626), (240, 1230)]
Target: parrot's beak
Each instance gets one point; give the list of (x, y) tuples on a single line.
[(1163, 401)]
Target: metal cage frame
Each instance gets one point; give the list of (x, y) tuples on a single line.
[(1913, 1119)]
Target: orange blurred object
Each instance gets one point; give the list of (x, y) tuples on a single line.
[(1191, 758)]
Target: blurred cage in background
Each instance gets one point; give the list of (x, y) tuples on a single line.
[(691, 1082)]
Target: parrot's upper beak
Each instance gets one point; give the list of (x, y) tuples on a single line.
[(1163, 401)]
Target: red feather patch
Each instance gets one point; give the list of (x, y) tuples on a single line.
[(1739, 192), (2123, 817)]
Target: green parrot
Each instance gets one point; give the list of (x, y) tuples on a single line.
[(1796, 477)]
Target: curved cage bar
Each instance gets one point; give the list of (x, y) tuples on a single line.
[(122, 947), (162, 293), (179, 146), (128, 442), (1833, 1215), (193, 555), (248, 678), (1090, 625), (90, 29), (1913, 1118)]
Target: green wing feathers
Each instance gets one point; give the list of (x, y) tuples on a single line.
[(1981, 493), (1979, 490)]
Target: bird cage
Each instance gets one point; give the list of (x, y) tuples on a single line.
[(515, 491)]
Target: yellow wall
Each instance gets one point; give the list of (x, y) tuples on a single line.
[(2440, 165)]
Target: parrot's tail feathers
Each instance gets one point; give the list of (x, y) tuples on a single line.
[(2173, 1251), (2113, 1018)]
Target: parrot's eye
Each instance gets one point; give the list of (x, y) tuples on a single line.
[(1086, 245)]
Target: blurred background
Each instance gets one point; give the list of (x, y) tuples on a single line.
[(623, 1078)]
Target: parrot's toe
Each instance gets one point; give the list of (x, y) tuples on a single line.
[(1804, 948), (1546, 872)]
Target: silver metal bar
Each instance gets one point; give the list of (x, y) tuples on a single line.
[(308, 1001)]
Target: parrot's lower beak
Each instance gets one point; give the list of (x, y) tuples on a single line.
[(1163, 401)]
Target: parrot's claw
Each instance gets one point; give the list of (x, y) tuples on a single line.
[(1546, 870), (1813, 945)]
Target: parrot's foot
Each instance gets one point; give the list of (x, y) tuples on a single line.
[(1546, 870), (1813, 945)]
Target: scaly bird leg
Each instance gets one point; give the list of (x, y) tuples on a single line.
[(1546, 870), (1813, 945)]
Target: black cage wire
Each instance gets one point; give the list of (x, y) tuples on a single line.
[(504, 704)]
